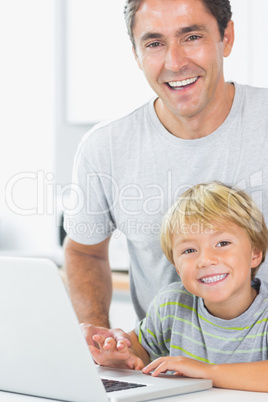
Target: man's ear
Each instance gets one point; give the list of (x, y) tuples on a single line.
[(228, 39), (136, 57), (256, 258)]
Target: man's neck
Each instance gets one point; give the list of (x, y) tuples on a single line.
[(202, 124)]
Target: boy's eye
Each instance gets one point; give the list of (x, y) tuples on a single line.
[(189, 251), (223, 243)]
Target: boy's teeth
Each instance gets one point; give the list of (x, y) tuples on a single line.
[(182, 83), (215, 278)]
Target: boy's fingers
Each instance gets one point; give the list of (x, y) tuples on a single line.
[(99, 340), (138, 365), (122, 345), (104, 343), (162, 368), (109, 344), (158, 365), (147, 369), (120, 335)]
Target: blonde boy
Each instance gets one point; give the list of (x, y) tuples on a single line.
[(214, 323)]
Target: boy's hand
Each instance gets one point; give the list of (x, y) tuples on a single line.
[(114, 354), (183, 366)]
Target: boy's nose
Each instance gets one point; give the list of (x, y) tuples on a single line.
[(207, 258)]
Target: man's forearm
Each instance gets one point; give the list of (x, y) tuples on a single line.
[(90, 286)]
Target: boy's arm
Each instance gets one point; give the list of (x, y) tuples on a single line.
[(118, 354), (241, 376), (138, 349)]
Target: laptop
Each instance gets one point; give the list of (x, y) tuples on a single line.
[(43, 352)]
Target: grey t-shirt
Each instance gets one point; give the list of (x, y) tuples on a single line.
[(178, 324), (129, 171)]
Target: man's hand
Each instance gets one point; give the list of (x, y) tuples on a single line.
[(114, 354), (89, 331)]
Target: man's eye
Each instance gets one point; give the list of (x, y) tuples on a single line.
[(223, 243), (193, 37), (154, 44), (189, 251)]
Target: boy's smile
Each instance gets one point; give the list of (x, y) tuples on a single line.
[(213, 278), (215, 264)]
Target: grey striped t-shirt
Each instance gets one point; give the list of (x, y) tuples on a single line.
[(178, 324)]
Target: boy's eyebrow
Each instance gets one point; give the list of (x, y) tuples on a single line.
[(183, 240), (182, 31), (187, 239)]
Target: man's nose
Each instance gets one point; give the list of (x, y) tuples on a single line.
[(175, 57)]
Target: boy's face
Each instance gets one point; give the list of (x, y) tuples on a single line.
[(215, 264)]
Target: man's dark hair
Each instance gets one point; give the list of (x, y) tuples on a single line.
[(220, 9)]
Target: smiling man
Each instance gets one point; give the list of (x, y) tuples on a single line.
[(180, 49), (198, 128)]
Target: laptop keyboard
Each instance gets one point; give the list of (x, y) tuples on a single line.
[(113, 385)]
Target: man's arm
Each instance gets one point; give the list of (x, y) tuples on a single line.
[(89, 281)]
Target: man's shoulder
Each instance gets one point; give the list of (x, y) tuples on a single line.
[(119, 126), (252, 92)]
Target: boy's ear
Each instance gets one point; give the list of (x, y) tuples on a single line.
[(256, 258), (178, 271)]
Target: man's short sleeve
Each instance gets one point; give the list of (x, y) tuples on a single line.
[(88, 218)]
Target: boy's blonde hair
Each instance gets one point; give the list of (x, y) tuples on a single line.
[(211, 205)]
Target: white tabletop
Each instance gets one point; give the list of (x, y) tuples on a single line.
[(214, 394)]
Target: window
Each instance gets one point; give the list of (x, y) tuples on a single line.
[(103, 79)]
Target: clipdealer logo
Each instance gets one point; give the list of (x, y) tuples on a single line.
[(43, 196)]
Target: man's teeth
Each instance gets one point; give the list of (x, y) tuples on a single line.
[(174, 84), (215, 278)]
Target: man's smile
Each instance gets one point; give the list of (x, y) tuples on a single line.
[(181, 84)]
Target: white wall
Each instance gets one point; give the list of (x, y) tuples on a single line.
[(26, 124)]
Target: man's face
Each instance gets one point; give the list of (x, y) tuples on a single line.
[(179, 49)]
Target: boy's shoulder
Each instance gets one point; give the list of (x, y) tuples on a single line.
[(175, 292)]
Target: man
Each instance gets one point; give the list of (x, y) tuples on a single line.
[(199, 128)]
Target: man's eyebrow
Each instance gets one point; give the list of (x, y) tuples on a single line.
[(150, 35), (182, 31), (191, 28)]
